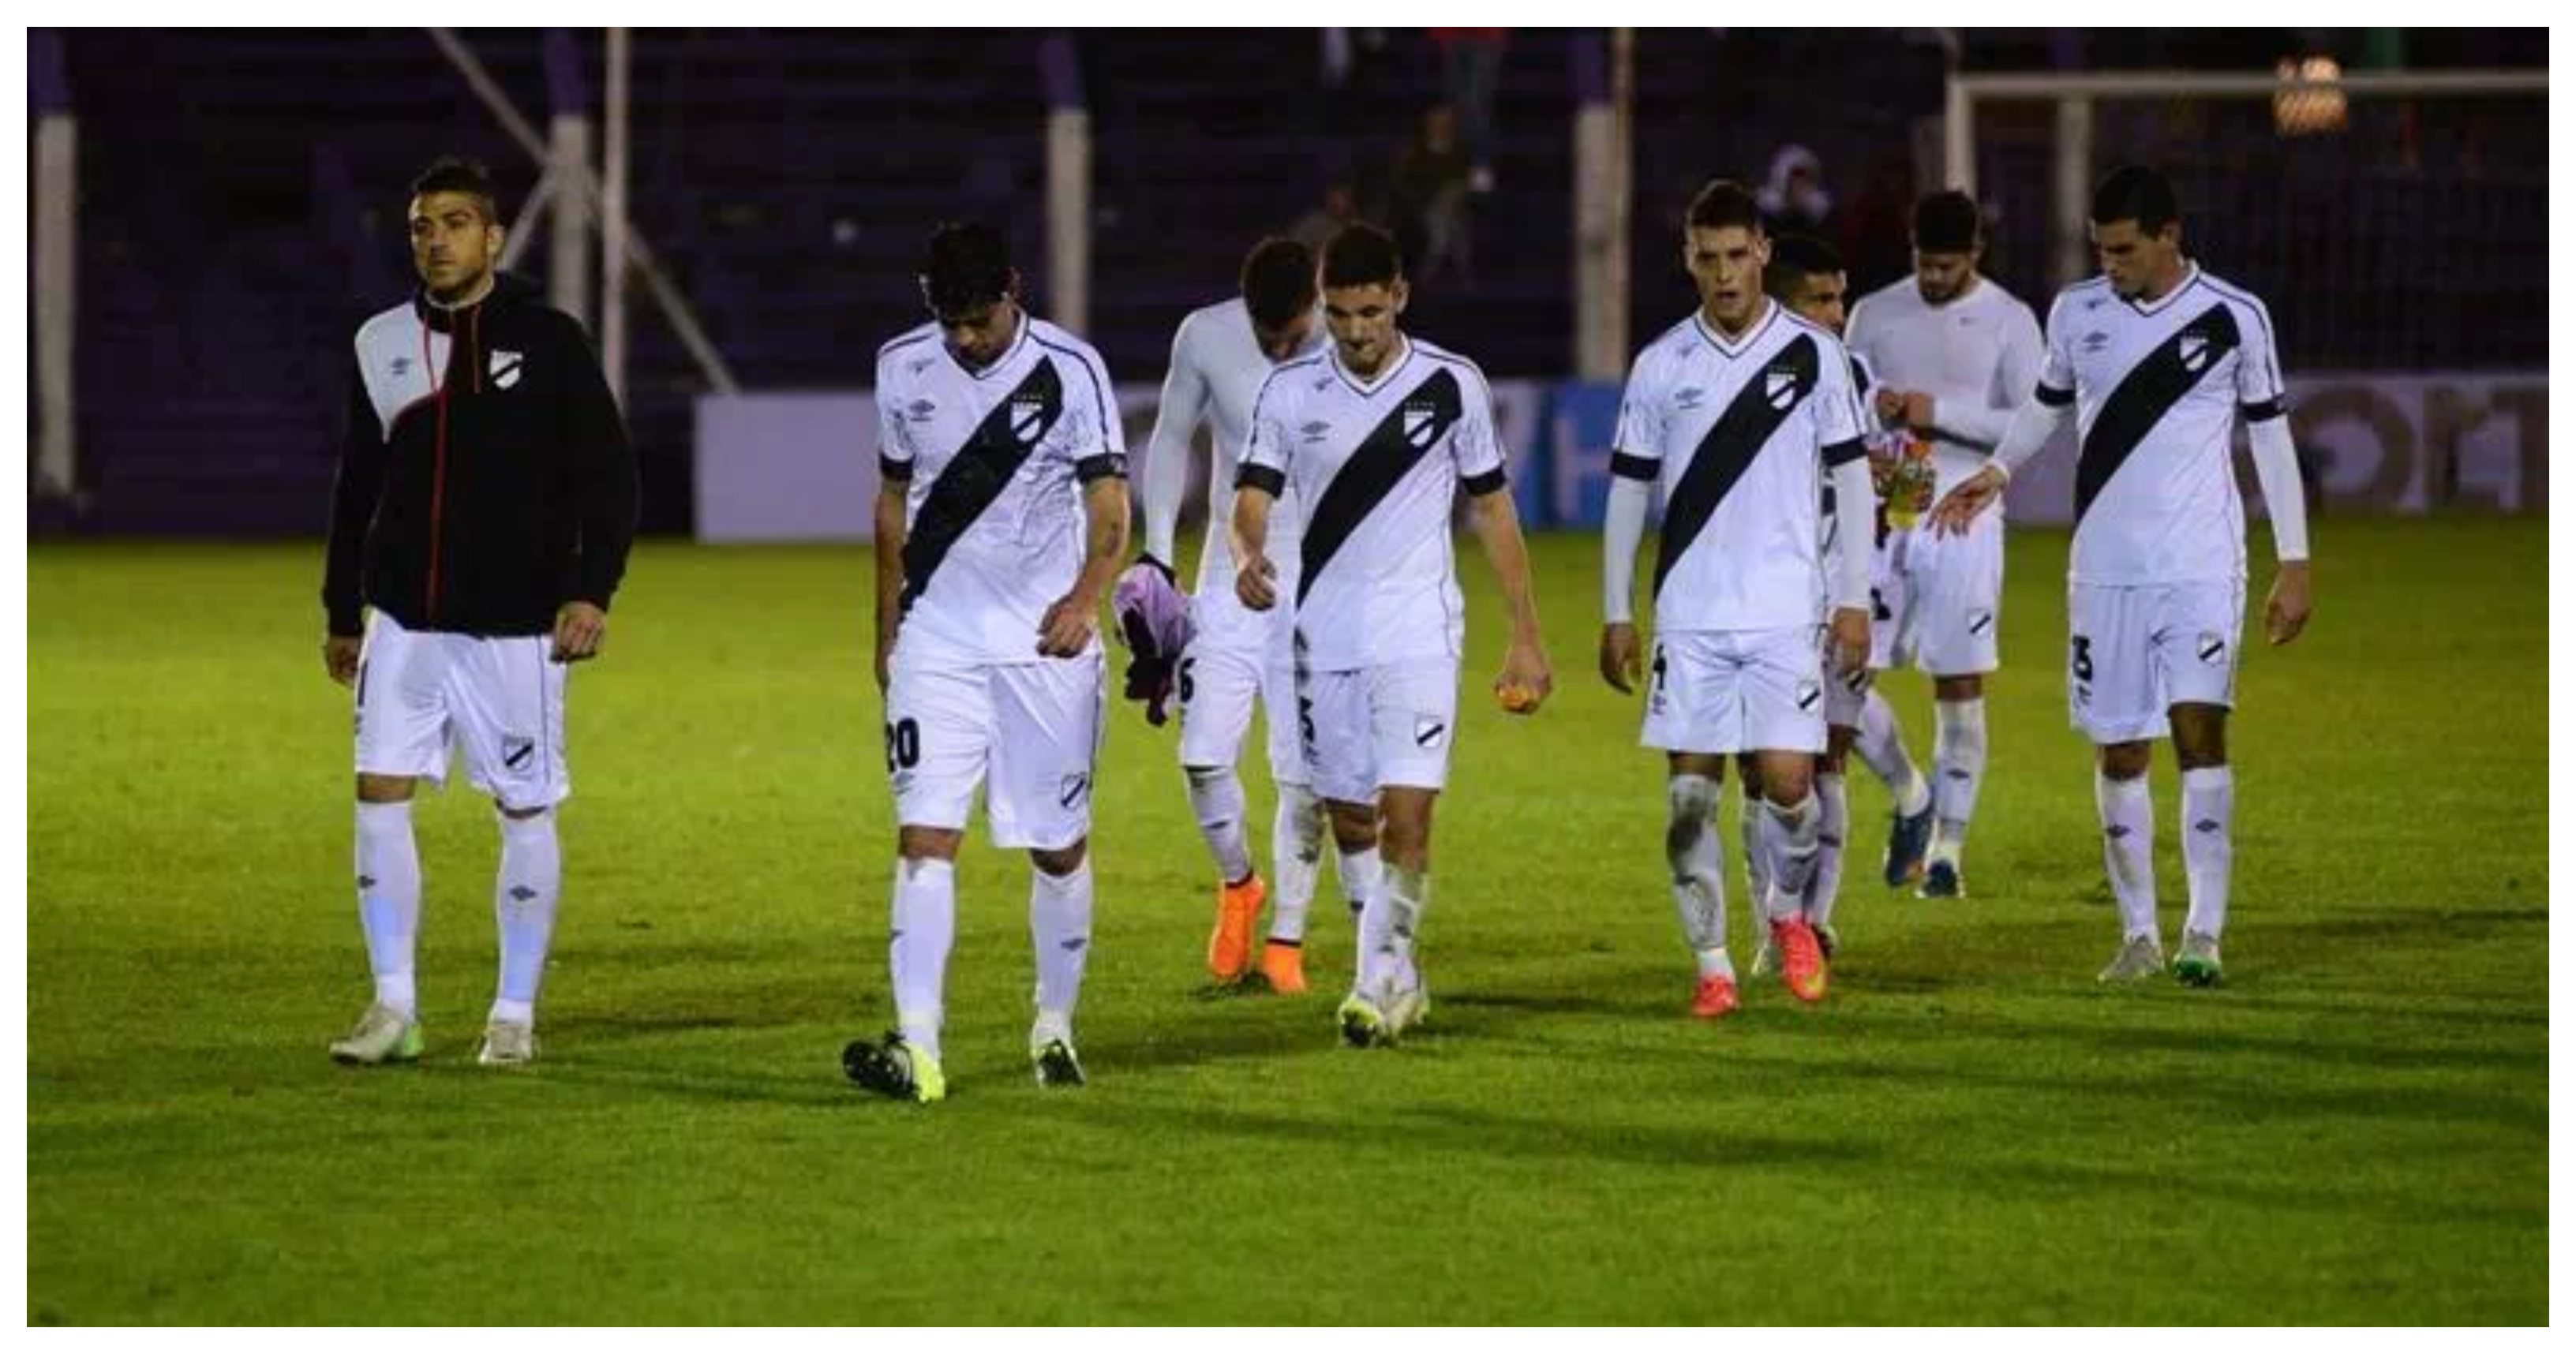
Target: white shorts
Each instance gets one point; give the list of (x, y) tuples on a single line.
[(1237, 655), (424, 695), (1027, 733), (1370, 728), (1717, 691), (2135, 652), (1943, 599)]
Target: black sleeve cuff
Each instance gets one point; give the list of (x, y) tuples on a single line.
[(1111, 466), (1629, 467), (2262, 410), (2053, 397), (1264, 478), (1845, 452), (1478, 486), (892, 469)]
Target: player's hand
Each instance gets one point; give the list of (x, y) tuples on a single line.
[(1958, 509), (1622, 657), (1525, 682), (340, 657), (580, 628), (1918, 411), (2286, 614), (1256, 583), (1069, 626), (1851, 638), (1890, 403)]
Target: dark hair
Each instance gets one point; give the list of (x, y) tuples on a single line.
[(457, 174), (2135, 193), (1362, 255), (1946, 223), (1723, 203), (1278, 281), (1795, 258), (966, 268)]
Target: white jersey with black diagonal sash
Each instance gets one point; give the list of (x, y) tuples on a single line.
[(2157, 387), (1218, 369), (993, 462), (1738, 435), (1377, 466)]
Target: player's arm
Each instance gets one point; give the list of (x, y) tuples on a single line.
[(1842, 428), (2262, 400), (354, 491), (1100, 467), (1258, 482), (894, 485), (1167, 453), (1634, 467), (1979, 418), (606, 503), (1477, 450), (2034, 425)]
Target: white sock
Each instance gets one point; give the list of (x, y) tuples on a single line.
[(1959, 767), (1748, 828), (389, 900), (523, 902), (1216, 796), (1362, 877), (2129, 850), (1882, 748), (1789, 836), (1390, 928), (925, 926), (2208, 812), (1830, 826), (1699, 871), (1296, 858), (1060, 929)]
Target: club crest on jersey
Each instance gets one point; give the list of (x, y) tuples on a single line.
[(1028, 418), (506, 366), (2195, 352), (1420, 423), (1779, 387)]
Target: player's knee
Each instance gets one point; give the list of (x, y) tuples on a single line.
[(384, 789), (1789, 782), (1691, 805), (2200, 736), (522, 815), (1968, 688), (2123, 761), (1354, 825), (1061, 861), (928, 843)]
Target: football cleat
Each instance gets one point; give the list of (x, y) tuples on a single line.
[(1238, 911), (1056, 1064), (1363, 1024), (1716, 996), (507, 1043), (383, 1035), (891, 1067), (1907, 839), (1941, 880), (2196, 964), (2140, 958), (1283, 962), (1802, 962)]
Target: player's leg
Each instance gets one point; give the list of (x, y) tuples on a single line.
[(401, 737), (1895, 627), (1298, 828), (938, 734), (2113, 695), (1047, 723), (508, 699), (1783, 695), (1962, 615), (1217, 680), (2197, 656), (1825, 889), (1694, 715), (1409, 716), (1748, 827)]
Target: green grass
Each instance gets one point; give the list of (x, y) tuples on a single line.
[(2354, 1130)]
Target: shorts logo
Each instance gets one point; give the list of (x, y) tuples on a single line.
[(2211, 648), (517, 752), (2194, 351), (1808, 694), (1028, 418), (1428, 730), (506, 366), (1419, 427), (1075, 788), (1979, 622), (1779, 387)]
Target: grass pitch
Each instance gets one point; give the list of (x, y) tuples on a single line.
[(2353, 1130)]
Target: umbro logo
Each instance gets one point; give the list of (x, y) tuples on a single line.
[(1073, 945), (366, 881), (2097, 340), (1689, 398), (1316, 431), (2116, 831), (919, 365), (506, 366), (2205, 825), (1322, 383), (920, 411), (2093, 303), (401, 366), (521, 893)]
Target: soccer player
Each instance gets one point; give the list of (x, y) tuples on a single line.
[(1375, 438), (1000, 523), (1220, 357), (2156, 360), (485, 501), (1955, 354), (1738, 413)]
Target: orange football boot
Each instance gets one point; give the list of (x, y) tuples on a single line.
[(1238, 912)]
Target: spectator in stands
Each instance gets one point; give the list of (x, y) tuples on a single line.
[(1878, 223), (1471, 70), (1794, 200), (1338, 208), (1431, 186)]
